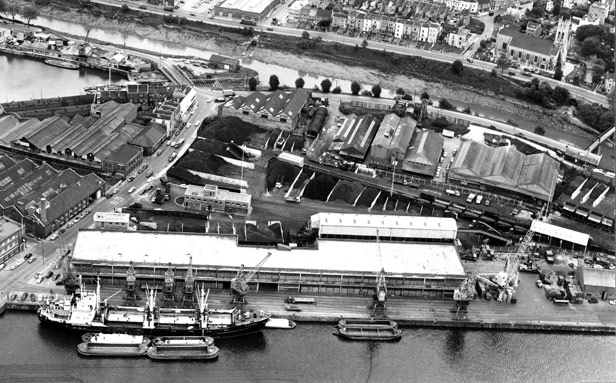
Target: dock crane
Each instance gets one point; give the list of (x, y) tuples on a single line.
[(239, 284), (380, 294), (504, 281)]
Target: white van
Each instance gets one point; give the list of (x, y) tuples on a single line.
[(453, 192), (479, 199), (471, 197)]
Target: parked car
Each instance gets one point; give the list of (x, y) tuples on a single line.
[(150, 173), (27, 256), (132, 189), (32, 259), (58, 276), (49, 274), (70, 224), (24, 296), (142, 6)]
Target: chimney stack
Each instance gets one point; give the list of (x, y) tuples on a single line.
[(43, 209)]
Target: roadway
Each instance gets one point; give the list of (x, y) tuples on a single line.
[(280, 13), (22, 278)]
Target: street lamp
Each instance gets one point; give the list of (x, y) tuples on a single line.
[(394, 163)]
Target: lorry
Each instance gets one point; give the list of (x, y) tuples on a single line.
[(471, 197), (228, 92), (291, 159), (248, 22), (168, 8)]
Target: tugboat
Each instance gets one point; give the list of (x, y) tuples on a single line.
[(100, 344), (183, 347), (84, 312)]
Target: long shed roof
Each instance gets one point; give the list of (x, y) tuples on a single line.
[(222, 251), (560, 232)]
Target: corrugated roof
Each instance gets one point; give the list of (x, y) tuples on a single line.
[(149, 136), (559, 232), (358, 142), (503, 164), (599, 277), (426, 148), (124, 153), (74, 193), (15, 172), (50, 189), (26, 185), (50, 128)]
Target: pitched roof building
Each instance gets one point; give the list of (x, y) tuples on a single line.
[(423, 155), (505, 168), (527, 49), (391, 140)]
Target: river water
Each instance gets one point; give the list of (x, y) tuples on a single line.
[(310, 353)]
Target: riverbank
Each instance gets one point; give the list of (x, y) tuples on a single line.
[(230, 44)]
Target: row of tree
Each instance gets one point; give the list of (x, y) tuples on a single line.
[(29, 13)]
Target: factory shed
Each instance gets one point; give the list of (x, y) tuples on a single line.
[(597, 283), (384, 227), (332, 266), (568, 235), (358, 141), (423, 155)]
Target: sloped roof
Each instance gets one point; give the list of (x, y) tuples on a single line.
[(149, 136), (538, 174), (75, 192), (6, 162), (358, 142), (26, 185), (599, 277), (49, 129), (470, 159), (528, 42), (404, 132), (279, 102), (8, 122), (20, 130), (386, 131), (124, 153), (559, 232), (426, 148), (50, 189), (503, 164), (15, 172)]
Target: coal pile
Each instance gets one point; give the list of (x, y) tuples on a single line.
[(229, 129), (320, 187), (263, 234), (294, 143), (271, 141), (367, 197), (346, 191), (210, 146), (202, 162), (184, 176), (403, 204), (391, 203), (277, 169), (380, 202)]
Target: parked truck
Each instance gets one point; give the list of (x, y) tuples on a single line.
[(248, 22), (228, 92)]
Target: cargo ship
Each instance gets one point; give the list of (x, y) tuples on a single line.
[(62, 64), (100, 344), (84, 312)]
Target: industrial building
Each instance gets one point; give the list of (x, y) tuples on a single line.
[(391, 141), (424, 153), (104, 220), (597, 283), (430, 269), (505, 168), (589, 201), (12, 239), (245, 9), (354, 136), (43, 198), (279, 109), (211, 198)]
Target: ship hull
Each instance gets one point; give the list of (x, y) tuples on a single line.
[(219, 332)]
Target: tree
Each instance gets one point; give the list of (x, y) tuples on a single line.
[(558, 73), (305, 35), (274, 83), (125, 8), (590, 30), (337, 90), (561, 95), (364, 44), (444, 104), (591, 46), (355, 88), (325, 23), (556, 8), (299, 83), (483, 44), (252, 84), (13, 10), (540, 130), (457, 67), (376, 91), (326, 85), (425, 96), (503, 62), (400, 91), (29, 13), (3, 6)]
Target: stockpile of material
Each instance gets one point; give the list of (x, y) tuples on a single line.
[(367, 197), (380, 202), (320, 187), (294, 143), (273, 137), (210, 146), (229, 129), (277, 169), (391, 203), (346, 191), (262, 233), (204, 163), (403, 204)]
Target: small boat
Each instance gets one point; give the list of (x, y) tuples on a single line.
[(183, 347), (368, 322), (99, 344), (292, 308), (280, 323), (62, 64), (369, 333)]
